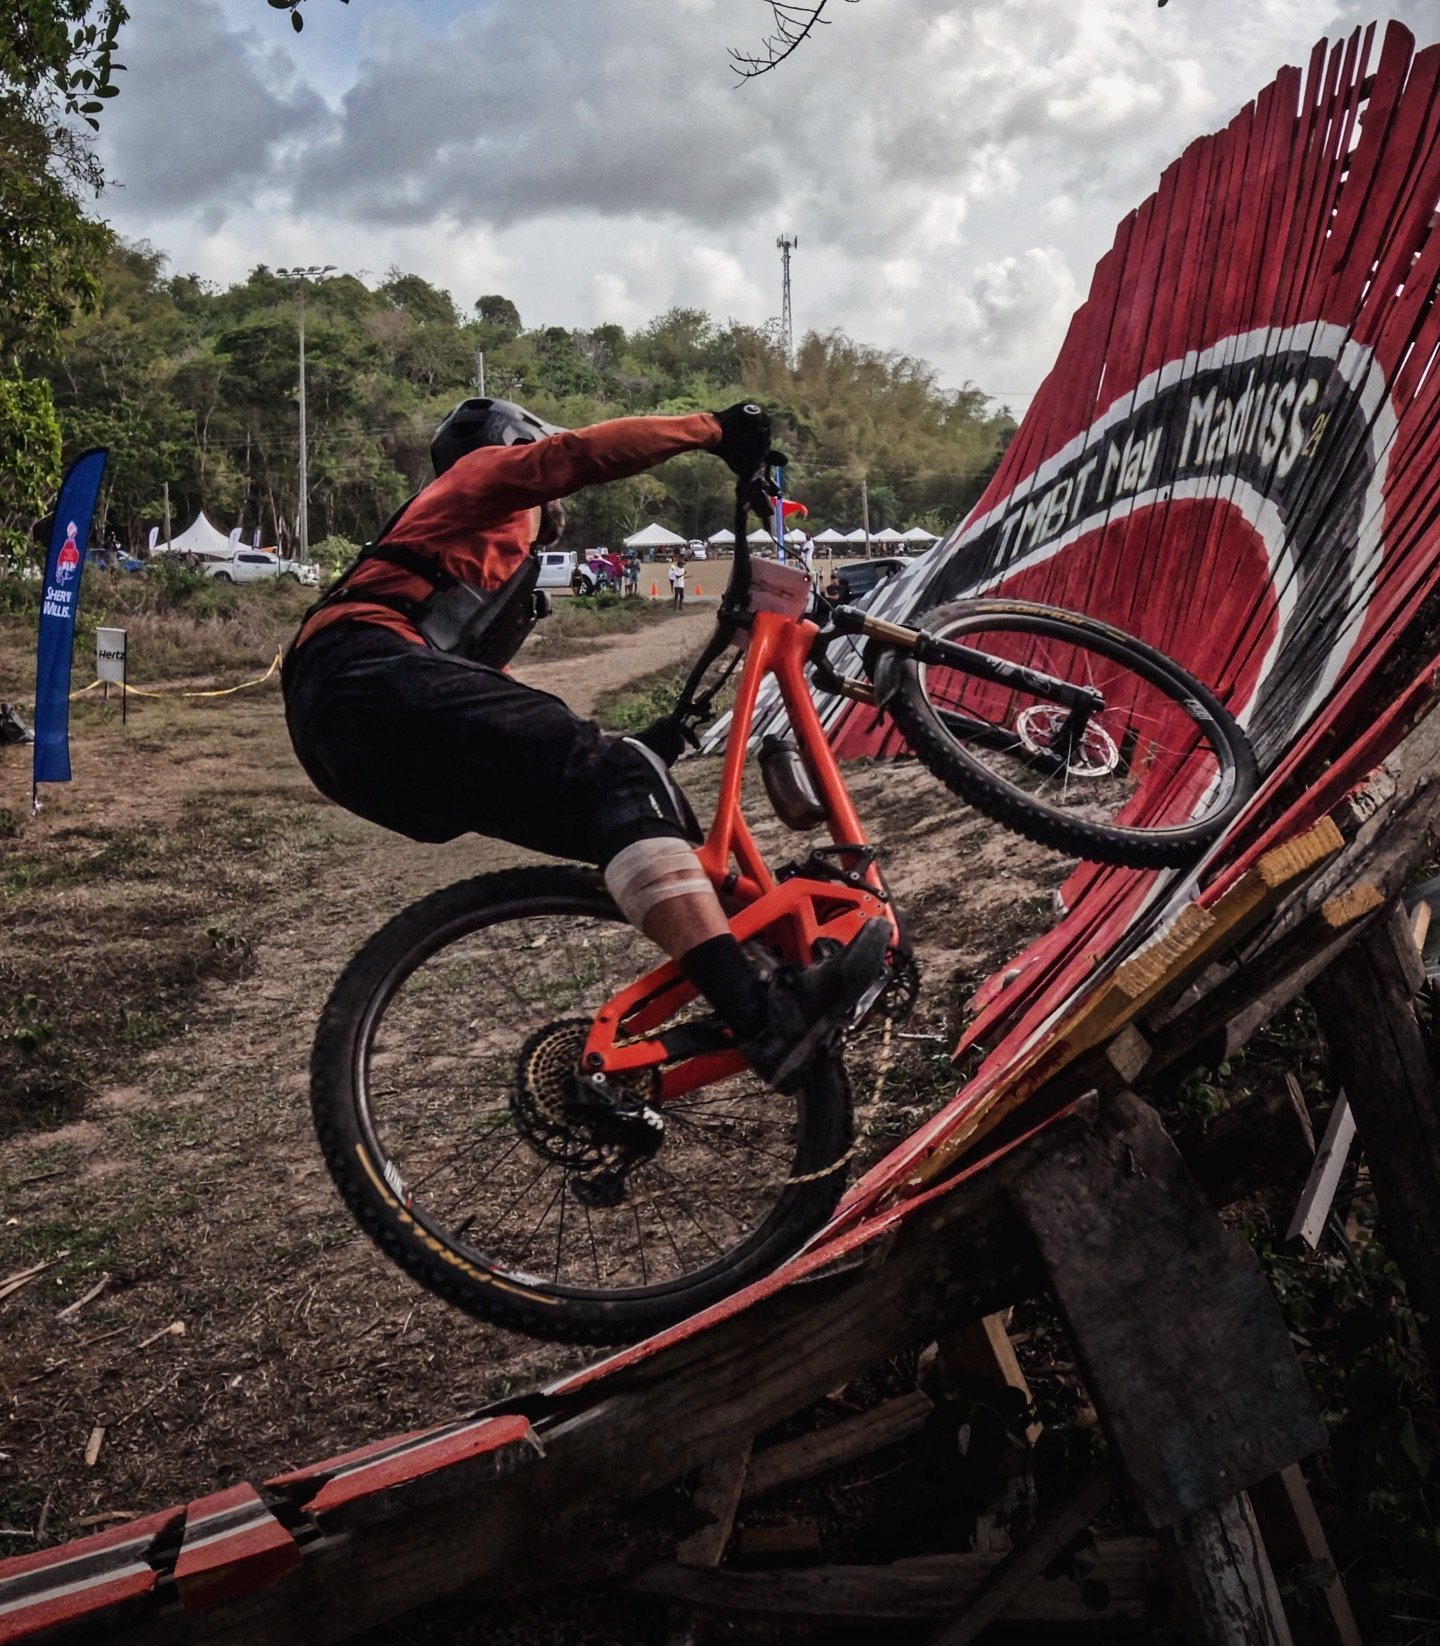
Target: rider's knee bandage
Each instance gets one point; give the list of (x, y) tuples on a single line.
[(651, 872)]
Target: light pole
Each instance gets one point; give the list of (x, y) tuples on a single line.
[(315, 273)]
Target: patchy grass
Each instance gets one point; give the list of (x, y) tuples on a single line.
[(577, 624), (108, 932), (180, 626)]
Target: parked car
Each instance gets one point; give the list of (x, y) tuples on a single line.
[(557, 567), (696, 550), (864, 575), (259, 566)]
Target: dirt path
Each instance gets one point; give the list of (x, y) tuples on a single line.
[(241, 1325)]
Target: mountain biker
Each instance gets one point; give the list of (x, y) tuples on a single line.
[(399, 708)]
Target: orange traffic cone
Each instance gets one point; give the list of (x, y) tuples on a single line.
[(654, 592)]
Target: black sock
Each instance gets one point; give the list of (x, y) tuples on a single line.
[(719, 969)]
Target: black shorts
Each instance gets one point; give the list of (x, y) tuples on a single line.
[(432, 746)]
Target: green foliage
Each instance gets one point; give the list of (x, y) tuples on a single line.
[(31, 1033), (332, 554), (498, 313), (56, 60), (66, 47), (29, 462), (1348, 1313), (197, 387)]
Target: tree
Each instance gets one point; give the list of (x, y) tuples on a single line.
[(499, 313), (424, 303), (791, 25), (56, 61), (29, 461), (64, 49)]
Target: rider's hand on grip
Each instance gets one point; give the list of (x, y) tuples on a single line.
[(667, 737), (744, 438)]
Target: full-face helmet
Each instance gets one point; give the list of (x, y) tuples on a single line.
[(475, 423)]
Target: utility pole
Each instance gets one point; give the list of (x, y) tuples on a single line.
[(480, 372), (865, 510), (787, 320), (167, 516), (300, 277)]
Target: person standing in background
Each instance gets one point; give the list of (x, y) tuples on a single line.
[(676, 575)]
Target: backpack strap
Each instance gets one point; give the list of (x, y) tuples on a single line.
[(408, 558)]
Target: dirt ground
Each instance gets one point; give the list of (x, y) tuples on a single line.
[(183, 1300)]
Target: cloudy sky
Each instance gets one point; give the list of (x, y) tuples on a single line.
[(951, 169)]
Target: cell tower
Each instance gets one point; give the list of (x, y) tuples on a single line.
[(787, 324)]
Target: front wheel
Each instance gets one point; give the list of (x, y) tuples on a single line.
[(1146, 781), (442, 1091)]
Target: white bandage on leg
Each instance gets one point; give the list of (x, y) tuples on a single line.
[(652, 872)]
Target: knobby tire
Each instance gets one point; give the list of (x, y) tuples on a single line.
[(420, 1035), (905, 689)]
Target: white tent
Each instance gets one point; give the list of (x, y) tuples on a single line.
[(859, 535), (654, 537), (760, 535), (918, 534), (887, 534), (829, 535), (723, 539), (795, 535), (199, 537)]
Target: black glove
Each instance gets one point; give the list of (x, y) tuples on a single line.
[(744, 438), (667, 737)]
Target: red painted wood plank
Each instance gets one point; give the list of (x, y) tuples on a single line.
[(233, 1545), (54, 1587)]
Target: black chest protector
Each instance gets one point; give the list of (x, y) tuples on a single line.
[(481, 625)]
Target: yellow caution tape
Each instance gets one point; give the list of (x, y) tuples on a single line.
[(220, 691)]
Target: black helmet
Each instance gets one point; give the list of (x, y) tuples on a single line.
[(476, 423)]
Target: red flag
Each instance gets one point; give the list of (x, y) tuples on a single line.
[(788, 508)]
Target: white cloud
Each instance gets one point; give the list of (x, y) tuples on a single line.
[(952, 171)]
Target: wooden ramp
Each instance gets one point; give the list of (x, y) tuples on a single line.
[(1234, 457)]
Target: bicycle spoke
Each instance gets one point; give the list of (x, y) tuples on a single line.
[(466, 1091)]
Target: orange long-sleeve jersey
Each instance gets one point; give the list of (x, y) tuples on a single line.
[(475, 518)]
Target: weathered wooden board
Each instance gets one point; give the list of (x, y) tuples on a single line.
[(1364, 1002), (1181, 1345), (926, 1588)]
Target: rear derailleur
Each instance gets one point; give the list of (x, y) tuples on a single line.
[(625, 1130)]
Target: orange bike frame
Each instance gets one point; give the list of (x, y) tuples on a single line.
[(787, 915)]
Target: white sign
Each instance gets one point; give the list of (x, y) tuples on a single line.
[(110, 654)]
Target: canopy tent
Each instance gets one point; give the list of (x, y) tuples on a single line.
[(795, 535), (723, 539), (199, 537), (829, 535), (887, 534), (918, 534), (859, 535), (760, 535), (654, 536)]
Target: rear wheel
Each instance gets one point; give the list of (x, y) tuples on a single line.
[(1147, 780), (223, 577), (441, 1084)]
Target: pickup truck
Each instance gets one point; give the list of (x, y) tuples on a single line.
[(258, 566), (557, 567)]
